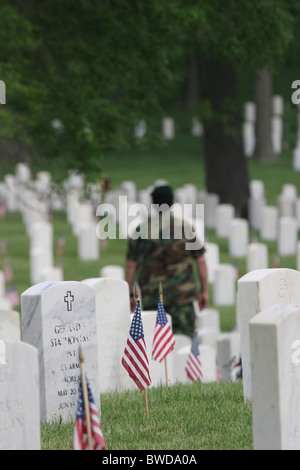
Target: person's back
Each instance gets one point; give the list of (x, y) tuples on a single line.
[(161, 256)]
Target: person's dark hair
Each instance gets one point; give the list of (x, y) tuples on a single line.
[(163, 195)]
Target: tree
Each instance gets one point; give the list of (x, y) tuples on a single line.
[(96, 69), (235, 33), (264, 151)]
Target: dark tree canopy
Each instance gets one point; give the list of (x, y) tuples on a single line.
[(97, 67)]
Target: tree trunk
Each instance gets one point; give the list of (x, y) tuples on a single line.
[(263, 130), (192, 83), (225, 162)]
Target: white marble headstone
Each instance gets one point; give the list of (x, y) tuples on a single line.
[(180, 353), (212, 258), (257, 291), (257, 256), (287, 236), (238, 237), (19, 396), (224, 214), (113, 324), (269, 223), (224, 287), (10, 325), (208, 325), (57, 317), (275, 370), (208, 363), (228, 353)]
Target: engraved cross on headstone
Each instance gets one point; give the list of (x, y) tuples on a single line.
[(69, 298)]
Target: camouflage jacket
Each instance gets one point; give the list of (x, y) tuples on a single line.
[(163, 256)]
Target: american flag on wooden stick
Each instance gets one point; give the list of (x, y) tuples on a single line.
[(163, 341), (3, 209), (7, 270), (12, 296), (135, 358), (193, 366), (60, 245), (80, 437)]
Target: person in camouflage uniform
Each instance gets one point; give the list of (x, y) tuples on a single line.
[(161, 256)]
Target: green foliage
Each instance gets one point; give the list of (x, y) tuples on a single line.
[(253, 33), (101, 66)]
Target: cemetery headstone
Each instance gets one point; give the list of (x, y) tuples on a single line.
[(180, 353), (208, 325), (228, 353), (168, 128), (257, 256), (224, 286), (269, 223), (19, 396), (10, 325), (112, 270), (88, 243), (224, 214), (211, 202), (257, 291), (287, 236), (113, 324), (275, 371), (212, 258), (238, 237), (57, 317)]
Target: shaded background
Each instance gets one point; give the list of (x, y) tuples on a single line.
[(80, 75)]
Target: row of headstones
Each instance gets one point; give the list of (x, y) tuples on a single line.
[(168, 128), (43, 368), (269, 324), (281, 222), (4, 302), (249, 135), (35, 199), (39, 365)]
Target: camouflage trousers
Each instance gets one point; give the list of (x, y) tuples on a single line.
[(183, 319)]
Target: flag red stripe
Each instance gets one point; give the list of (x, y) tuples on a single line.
[(138, 350), (135, 364), (194, 368), (164, 340)]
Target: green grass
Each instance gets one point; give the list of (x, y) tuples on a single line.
[(181, 417)]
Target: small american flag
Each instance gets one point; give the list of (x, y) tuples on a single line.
[(80, 437), (218, 373), (60, 245), (3, 209), (12, 296), (8, 274), (163, 341), (135, 359), (193, 366)]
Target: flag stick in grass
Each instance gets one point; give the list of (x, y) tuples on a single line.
[(165, 359), (87, 432), (135, 358), (85, 400), (163, 341)]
